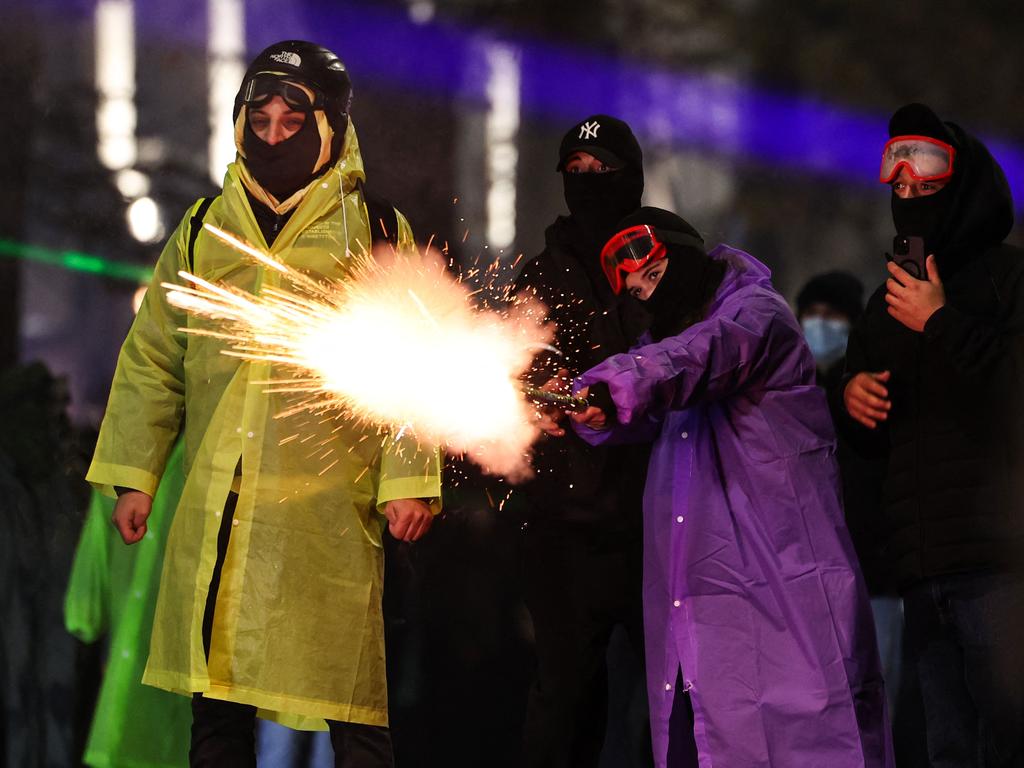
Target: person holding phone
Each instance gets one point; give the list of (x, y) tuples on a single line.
[(934, 370)]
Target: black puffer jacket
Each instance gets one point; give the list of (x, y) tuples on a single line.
[(576, 482), (953, 498)]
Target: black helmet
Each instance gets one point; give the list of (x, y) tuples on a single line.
[(313, 65)]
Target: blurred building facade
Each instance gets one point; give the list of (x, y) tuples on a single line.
[(761, 122)]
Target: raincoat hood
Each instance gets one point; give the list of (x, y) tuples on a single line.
[(303, 573), (339, 179)]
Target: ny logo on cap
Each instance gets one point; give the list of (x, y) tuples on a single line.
[(589, 130), (287, 57)]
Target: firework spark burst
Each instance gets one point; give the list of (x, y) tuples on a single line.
[(397, 343)]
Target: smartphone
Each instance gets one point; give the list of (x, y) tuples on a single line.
[(908, 252)]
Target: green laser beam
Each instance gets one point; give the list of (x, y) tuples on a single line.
[(76, 261)]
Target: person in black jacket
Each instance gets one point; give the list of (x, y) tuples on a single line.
[(582, 545), (933, 383)]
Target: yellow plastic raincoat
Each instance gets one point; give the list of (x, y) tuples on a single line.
[(297, 629)]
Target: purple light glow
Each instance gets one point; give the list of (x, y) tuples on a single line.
[(559, 85)]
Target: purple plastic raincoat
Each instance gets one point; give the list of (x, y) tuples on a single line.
[(751, 588)]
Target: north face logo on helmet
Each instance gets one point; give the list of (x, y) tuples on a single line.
[(287, 57), (589, 130)]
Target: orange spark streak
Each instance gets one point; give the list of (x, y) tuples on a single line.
[(360, 346)]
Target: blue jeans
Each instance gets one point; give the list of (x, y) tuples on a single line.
[(888, 613), (284, 748), (966, 634)]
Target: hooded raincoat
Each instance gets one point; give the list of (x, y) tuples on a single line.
[(752, 595), (112, 591), (297, 629)]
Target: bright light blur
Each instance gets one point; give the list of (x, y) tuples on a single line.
[(115, 83), (421, 11), (226, 57), (144, 220), (398, 344), (502, 155), (132, 183)]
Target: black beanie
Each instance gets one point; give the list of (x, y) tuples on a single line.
[(919, 120), (665, 224), (607, 138), (690, 277), (840, 290)]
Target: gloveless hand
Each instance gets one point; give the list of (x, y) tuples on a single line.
[(408, 519), (913, 301), (130, 514)]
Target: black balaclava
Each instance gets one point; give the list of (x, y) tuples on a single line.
[(598, 200), (923, 216), (690, 279), (286, 167), (973, 212)]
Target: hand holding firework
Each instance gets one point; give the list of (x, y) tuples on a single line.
[(590, 416), (554, 401)]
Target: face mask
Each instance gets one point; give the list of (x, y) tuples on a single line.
[(826, 338), (598, 201), (283, 168), (689, 281), (923, 216)]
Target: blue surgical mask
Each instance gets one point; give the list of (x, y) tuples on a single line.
[(826, 338)]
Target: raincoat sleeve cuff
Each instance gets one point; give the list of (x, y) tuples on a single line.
[(643, 430), (104, 477), (427, 488)]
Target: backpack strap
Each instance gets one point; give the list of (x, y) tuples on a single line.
[(383, 218), (195, 226)]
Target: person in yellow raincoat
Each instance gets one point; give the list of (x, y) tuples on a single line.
[(270, 597)]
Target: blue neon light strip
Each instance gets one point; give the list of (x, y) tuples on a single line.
[(561, 85)]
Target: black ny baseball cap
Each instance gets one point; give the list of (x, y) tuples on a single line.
[(607, 138)]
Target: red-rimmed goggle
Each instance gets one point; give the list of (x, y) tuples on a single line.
[(633, 249), (925, 158), (266, 85)]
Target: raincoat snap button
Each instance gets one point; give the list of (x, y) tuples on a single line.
[(668, 686), (680, 519), (250, 434), (685, 435), (676, 603), (234, 522), (324, 185)]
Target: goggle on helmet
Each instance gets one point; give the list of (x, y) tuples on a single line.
[(925, 158), (266, 85)]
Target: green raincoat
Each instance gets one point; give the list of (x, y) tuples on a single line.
[(112, 591), (297, 629)]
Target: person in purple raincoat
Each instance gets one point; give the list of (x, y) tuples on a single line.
[(759, 638)]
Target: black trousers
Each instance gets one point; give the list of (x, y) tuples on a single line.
[(579, 585), (224, 732)]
